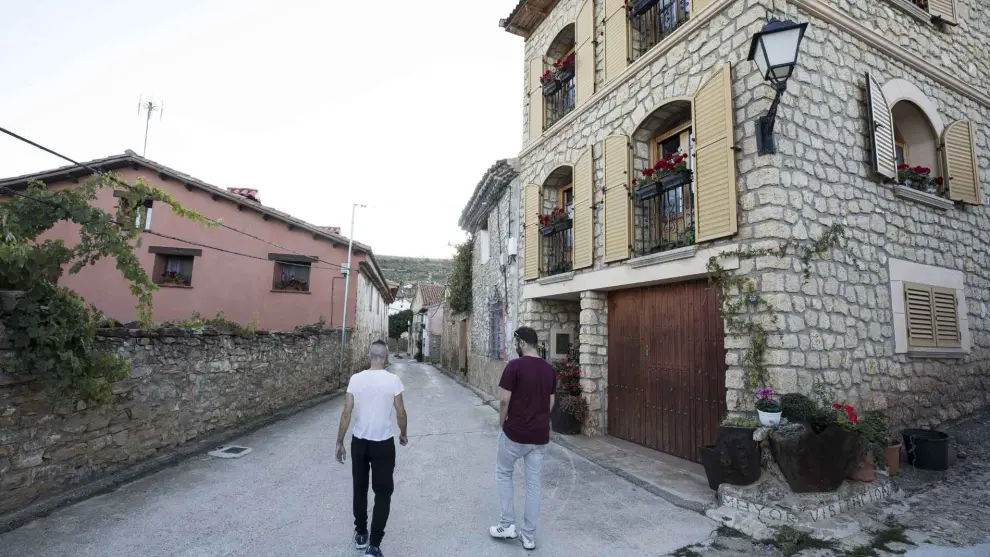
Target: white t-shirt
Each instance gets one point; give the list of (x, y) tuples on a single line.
[(374, 393)]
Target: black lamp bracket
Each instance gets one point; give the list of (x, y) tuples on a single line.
[(764, 126)]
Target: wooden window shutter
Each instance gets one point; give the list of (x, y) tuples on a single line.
[(584, 224), (698, 5), (616, 38), (531, 202), (881, 130), (535, 99), (946, 318), (584, 57), (616, 198), (945, 9), (959, 154), (715, 162), (919, 315)]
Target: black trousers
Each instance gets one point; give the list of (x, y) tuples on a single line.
[(378, 458)]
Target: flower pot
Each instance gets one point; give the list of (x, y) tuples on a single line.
[(551, 87), (769, 418), (739, 455), (647, 191), (565, 74), (676, 179), (816, 462), (865, 469), (893, 456), (713, 467), (9, 299), (927, 449), (556, 227), (563, 422)]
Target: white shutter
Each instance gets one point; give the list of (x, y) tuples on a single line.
[(881, 130)]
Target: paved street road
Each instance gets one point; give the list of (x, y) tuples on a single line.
[(288, 498)]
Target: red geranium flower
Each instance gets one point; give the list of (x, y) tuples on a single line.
[(647, 172), (939, 180), (903, 167)]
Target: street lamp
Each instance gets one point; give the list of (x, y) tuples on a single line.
[(775, 51), (347, 284)]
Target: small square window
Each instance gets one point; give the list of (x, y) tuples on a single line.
[(562, 345), (173, 270), (291, 276)]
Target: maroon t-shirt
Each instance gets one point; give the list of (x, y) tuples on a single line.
[(531, 381)]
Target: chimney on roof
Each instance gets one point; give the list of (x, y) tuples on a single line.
[(331, 229), (249, 193)]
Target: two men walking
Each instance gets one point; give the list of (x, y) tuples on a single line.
[(526, 393)]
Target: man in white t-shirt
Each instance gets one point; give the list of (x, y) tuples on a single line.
[(372, 396)]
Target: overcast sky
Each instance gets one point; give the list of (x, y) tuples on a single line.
[(318, 104)]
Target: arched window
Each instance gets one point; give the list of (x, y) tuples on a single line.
[(556, 222), (916, 149), (663, 193), (651, 21), (558, 77)]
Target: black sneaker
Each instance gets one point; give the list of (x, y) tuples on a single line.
[(360, 540), (374, 552)]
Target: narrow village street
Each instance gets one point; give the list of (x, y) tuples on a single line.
[(289, 498)]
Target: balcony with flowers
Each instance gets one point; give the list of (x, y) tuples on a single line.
[(558, 88), (557, 239), (664, 206)]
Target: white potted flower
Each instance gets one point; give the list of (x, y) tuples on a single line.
[(768, 406)]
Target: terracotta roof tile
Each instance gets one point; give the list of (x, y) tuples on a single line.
[(432, 293)]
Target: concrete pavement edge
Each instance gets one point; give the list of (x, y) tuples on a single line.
[(666, 494), (52, 503)]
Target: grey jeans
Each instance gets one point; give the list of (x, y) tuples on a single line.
[(505, 461)]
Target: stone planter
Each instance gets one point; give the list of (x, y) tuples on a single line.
[(675, 180), (9, 299), (738, 455), (563, 422), (892, 454), (565, 74), (551, 87), (647, 191), (865, 469), (816, 462)]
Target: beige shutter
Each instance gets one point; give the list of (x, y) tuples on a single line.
[(535, 99), (946, 317), (960, 162), (698, 5), (945, 9), (919, 315), (584, 57), (881, 130), (715, 162), (616, 198), (531, 262), (584, 226), (616, 38)]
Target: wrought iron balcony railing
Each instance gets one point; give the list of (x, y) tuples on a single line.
[(664, 220), (656, 23), (561, 101), (557, 243)]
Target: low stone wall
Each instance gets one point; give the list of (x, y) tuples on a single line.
[(183, 385), (484, 373)]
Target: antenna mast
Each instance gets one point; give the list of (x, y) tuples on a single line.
[(149, 107)]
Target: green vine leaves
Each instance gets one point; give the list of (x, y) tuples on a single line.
[(461, 294), (744, 309), (52, 329)]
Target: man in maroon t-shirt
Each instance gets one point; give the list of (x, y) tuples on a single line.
[(525, 398)]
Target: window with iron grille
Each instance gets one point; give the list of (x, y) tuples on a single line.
[(496, 330)]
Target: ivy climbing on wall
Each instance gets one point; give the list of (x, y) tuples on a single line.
[(52, 329), (743, 307)]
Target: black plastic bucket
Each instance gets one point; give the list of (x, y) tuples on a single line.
[(927, 449)]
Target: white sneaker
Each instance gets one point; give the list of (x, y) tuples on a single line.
[(507, 533), (528, 542)]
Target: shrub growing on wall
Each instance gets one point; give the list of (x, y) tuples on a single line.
[(52, 329), (459, 286)]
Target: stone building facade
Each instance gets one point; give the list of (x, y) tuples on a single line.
[(374, 295), (877, 84), (492, 218), (184, 385)]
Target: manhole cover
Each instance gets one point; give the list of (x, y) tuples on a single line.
[(232, 451)]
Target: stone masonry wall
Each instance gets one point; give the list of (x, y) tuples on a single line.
[(183, 385), (594, 360), (839, 324)]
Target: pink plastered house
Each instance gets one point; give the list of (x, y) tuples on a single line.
[(289, 275)]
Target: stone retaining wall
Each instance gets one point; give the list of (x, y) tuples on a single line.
[(183, 385)]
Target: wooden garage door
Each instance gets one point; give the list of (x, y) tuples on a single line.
[(666, 367)]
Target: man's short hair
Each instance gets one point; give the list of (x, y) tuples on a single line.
[(527, 335), (378, 351)]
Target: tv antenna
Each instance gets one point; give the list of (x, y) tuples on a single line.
[(149, 107)]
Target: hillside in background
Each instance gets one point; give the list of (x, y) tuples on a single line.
[(407, 271)]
